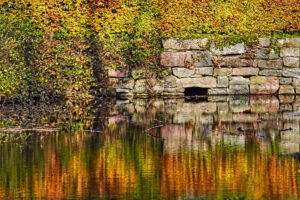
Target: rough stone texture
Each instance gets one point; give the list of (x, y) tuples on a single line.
[(296, 84), (290, 52), (239, 81), (223, 71), (238, 89), (174, 90), (288, 42), (235, 61), (156, 86), (182, 72), (170, 82), (270, 72), (206, 71), (230, 50), (217, 91), (127, 84), (291, 62), (120, 90), (263, 85), (176, 59), (191, 44), (285, 107), (270, 64), (245, 71), (239, 103), (222, 81), (294, 73), (267, 54), (285, 81), (203, 82), (203, 59), (140, 86), (245, 117), (118, 73), (286, 89), (264, 42)]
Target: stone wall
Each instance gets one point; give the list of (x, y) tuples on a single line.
[(271, 67)]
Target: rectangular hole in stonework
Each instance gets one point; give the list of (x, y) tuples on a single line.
[(195, 91)]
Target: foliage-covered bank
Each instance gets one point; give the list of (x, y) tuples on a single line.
[(63, 47)]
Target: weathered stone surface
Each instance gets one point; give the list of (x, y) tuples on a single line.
[(270, 64), (245, 71), (286, 98), (294, 73), (288, 42), (206, 71), (182, 72), (222, 81), (264, 104), (223, 107), (295, 115), (203, 59), (176, 59), (286, 89), (263, 85), (239, 81), (285, 81), (270, 72), (223, 71), (296, 84), (217, 91), (138, 73), (290, 52), (127, 84), (238, 89), (264, 42), (174, 90), (190, 44), (291, 62), (120, 90), (118, 73), (267, 54), (235, 61), (285, 107), (170, 82), (202, 82), (140, 86), (230, 50), (239, 103), (156, 86)]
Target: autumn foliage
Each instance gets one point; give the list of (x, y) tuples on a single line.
[(62, 47)]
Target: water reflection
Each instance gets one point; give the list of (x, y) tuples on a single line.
[(225, 147)]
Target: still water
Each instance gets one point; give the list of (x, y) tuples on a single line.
[(218, 148)]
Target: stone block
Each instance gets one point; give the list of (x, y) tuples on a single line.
[(286, 89), (293, 73), (239, 103), (222, 81), (140, 86), (206, 71), (264, 42), (285, 81), (127, 84), (291, 62), (202, 82), (203, 59), (285, 107), (118, 73), (138, 73), (296, 84), (235, 61), (223, 71), (238, 89), (266, 54), (239, 81), (286, 98), (176, 59), (288, 42), (217, 91), (170, 82), (270, 72), (263, 85), (244, 117), (183, 72), (190, 44), (245, 71), (270, 64), (290, 52), (229, 50)]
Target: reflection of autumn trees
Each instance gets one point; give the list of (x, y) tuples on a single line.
[(121, 163)]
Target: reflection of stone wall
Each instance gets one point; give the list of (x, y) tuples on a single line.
[(270, 67), (266, 118)]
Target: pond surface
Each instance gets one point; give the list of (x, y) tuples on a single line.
[(222, 147)]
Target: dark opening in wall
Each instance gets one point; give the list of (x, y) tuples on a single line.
[(195, 91)]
